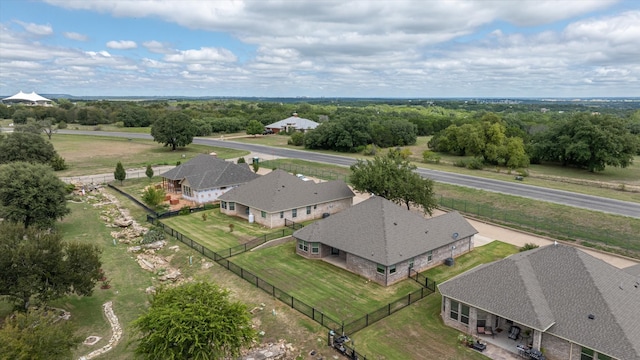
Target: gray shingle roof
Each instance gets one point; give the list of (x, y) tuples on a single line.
[(554, 289), (208, 172), (280, 191), (299, 123), (383, 232)]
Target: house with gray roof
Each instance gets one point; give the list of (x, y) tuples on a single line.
[(278, 196), (292, 123), (565, 301), (205, 177), (383, 241)]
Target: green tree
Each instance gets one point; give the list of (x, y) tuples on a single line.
[(394, 179), (296, 139), (587, 141), (119, 174), (149, 171), (241, 160), (152, 196), (254, 127), (193, 321), (31, 194), (256, 166), (37, 334), (38, 264), (48, 127), (26, 146), (174, 129)]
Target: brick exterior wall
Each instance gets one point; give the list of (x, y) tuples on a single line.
[(273, 220)]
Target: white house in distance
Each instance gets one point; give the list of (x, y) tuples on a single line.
[(292, 123), (32, 99)]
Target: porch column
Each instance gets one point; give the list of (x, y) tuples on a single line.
[(537, 339)]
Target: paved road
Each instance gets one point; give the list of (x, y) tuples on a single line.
[(512, 188)]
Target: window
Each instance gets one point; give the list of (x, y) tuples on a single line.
[(464, 314), (186, 191), (603, 357), (315, 207), (315, 248), (223, 204), (381, 269), (586, 354), (232, 206), (429, 255), (263, 214), (454, 310), (246, 211), (281, 214), (392, 269), (308, 210), (303, 245), (294, 213)]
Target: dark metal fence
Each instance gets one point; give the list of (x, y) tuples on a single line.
[(292, 224), (422, 280), (138, 202), (545, 226)]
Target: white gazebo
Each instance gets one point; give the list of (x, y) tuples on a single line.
[(27, 99)]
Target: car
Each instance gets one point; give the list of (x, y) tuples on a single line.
[(267, 132)]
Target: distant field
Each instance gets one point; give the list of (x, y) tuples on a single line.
[(87, 155)]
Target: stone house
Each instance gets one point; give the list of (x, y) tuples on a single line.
[(563, 301), (383, 241), (205, 177), (278, 196)]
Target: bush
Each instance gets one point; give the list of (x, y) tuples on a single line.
[(475, 164), (185, 210), (152, 196), (57, 163), (211, 206), (523, 172), (241, 160), (62, 125), (370, 150), (460, 163), (429, 156), (528, 246), (296, 139), (154, 234), (119, 124)]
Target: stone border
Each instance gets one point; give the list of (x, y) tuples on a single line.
[(116, 330)]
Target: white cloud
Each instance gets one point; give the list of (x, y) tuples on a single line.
[(203, 55), (36, 29), (122, 44), (76, 36), (157, 47)]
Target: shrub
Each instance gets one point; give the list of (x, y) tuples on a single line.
[(523, 172), (119, 124), (185, 210), (211, 206), (62, 125), (429, 156), (154, 234), (241, 160), (296, 139), (57, 163), (528, 246), (370, 150), (152, 196), (475, 164), (460, 163)]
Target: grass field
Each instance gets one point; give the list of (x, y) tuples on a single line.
[(417, 332), (214, 232), (336, 292), (87, 155)]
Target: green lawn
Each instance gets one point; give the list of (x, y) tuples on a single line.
[(417, 332), (214, 233), (87, 155), (336, 292)]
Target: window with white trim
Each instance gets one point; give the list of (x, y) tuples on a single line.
[(303, 245), (455, 311), (232, 206), (315, 248), (392, 269), (381, 269), (223, 204), (308, 210), (294, 213)]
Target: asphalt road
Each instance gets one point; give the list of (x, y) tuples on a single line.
[(512, 188)]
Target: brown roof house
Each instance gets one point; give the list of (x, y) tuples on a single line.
[(292, 123), (204, 178), (383, 241), (556, 298), (278, 196)]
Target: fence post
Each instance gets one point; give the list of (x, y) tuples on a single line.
[(292, 301), (388, 309), (366, 319)]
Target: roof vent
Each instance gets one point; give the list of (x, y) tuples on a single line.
[(454, 236), (395, 223), (591, 317)]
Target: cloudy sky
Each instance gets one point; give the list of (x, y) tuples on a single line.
[(330, 48)]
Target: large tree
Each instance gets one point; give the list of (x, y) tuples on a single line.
[(193, 321), (119, 174), (26, 146), (255, 127), (174, 129), (393, 178), (587, 141), (37, 335), (31, 194), (39, 264)]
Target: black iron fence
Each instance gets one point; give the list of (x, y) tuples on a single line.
[(292, 224), (138, 202), (547, 226), (422, 280), (221, 257)]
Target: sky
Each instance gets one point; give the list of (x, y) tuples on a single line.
[(321, 48)]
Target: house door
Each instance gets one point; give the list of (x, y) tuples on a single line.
[(335, 251)]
